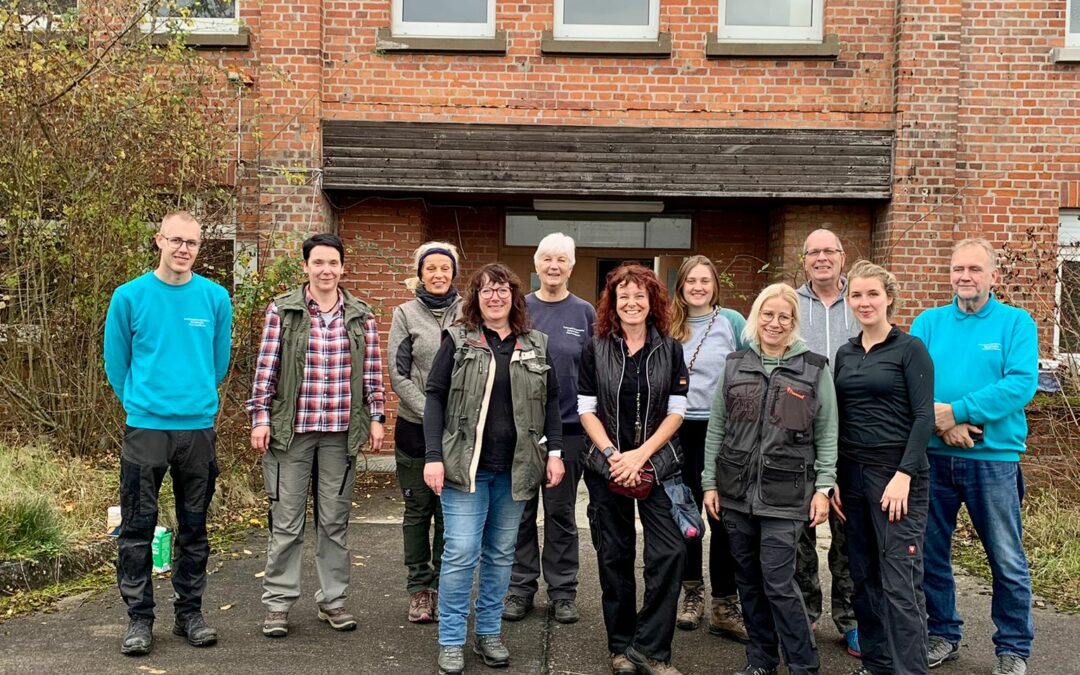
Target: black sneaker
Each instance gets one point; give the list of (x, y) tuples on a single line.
[(193, 627), (516, 607), (139, 638), (565, 610), (451, 660)]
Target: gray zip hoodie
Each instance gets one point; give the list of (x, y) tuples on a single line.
[(415, 336), (825, 329)]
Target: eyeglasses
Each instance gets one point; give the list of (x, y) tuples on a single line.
[(768, 317), (502, 292), (177, 242), (815, 252)]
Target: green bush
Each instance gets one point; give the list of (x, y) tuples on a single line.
[(29, 524)]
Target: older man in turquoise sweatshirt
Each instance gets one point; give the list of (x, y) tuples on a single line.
[(985, 358)]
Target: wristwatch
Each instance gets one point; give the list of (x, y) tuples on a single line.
[(608, 452), (381, 419)]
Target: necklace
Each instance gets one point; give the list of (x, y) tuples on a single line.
[(637, 398), (697, 350)]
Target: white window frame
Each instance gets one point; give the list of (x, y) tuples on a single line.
[(813, 33), (583, 31), (1072, 33), (1068, 235), (42, 22), (399, 27), (194, 24)]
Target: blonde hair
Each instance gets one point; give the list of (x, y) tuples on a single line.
[(412, 282), (982, 243), (753, 320), (864, 269), (679, 311)]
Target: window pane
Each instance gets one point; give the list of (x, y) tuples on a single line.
[(46, 7), (444, 11), (199, 9), (1074, 16), (793, 13), (598, 231), (606, 12), (668, 233), (1069, 342)]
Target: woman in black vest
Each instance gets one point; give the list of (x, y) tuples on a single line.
[(885, 393), (770, 465), (493, 435), (631, 398)]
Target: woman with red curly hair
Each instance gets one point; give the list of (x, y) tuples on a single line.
[(631, 399)]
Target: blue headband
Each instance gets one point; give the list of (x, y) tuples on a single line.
[(435, 251)]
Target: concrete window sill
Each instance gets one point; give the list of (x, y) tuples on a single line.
[(1065, 55), (238, 40), (827, 49), (386, 42), (659, 48)]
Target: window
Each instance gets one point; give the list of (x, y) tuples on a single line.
[(772, 20), (198, 16), (440, 18), (1072, 24), (44, 14), (597, 230), (607, 19), (1067, 326)]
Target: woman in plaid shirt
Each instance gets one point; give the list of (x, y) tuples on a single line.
[(304, 414)]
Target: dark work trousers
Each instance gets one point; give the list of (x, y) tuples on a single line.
[(190, 459), (806, 575), (887, 568), (423, 548), (764, 552), (721, 564), (560, 558), (611, 519)]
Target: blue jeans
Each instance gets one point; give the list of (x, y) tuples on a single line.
[(992, 492), (478, 527)]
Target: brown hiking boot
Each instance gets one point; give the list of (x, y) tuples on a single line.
[(276, 624), (338, 618), (650, 666), (420, 610), (726, 619), (620, 665), (693, 606)]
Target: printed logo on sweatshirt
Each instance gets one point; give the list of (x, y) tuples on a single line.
[(197, 323), (990, 346), (574, 331)]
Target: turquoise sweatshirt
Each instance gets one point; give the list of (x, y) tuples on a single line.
[(986, 365), (167, 349)]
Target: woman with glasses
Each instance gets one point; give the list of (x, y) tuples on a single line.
[(885, 392), (770, 466), (708, 333), (494, 435), (631, 399), (415, 333)]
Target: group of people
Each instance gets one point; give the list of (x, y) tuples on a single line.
[(814, 408)]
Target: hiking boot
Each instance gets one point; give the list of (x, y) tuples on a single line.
[(851, 639), (726, 619), (620, 665), (516, 607), (420, 610), (648, 666), (939, 650), (756, 670), (1009, 664), (338, 618), (693, 606), (491, 649), (451, 660), (193, 627), (276, 624), (139, 637), (565, 610)]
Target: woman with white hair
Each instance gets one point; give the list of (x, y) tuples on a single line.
[(568, 322), (415, 335), (770, 463)]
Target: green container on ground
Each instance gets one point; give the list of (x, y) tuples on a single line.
[(161, 548)]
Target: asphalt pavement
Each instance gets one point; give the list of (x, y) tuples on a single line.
[(82, 634)]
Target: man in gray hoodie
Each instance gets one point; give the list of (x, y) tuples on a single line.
[(826, 324)]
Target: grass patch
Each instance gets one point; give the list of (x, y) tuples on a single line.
[(1051, 540), (23, 602)]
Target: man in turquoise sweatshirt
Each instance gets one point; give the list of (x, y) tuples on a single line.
[(985, 370), (167, 345)]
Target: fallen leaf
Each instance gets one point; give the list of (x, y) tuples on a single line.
[(247, 552), (254, 521), (259, 575), (225, 608)]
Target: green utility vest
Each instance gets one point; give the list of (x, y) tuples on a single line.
[(295, 336), (467, 407)]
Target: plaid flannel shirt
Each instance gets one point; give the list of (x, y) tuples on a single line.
[(325, 392)]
